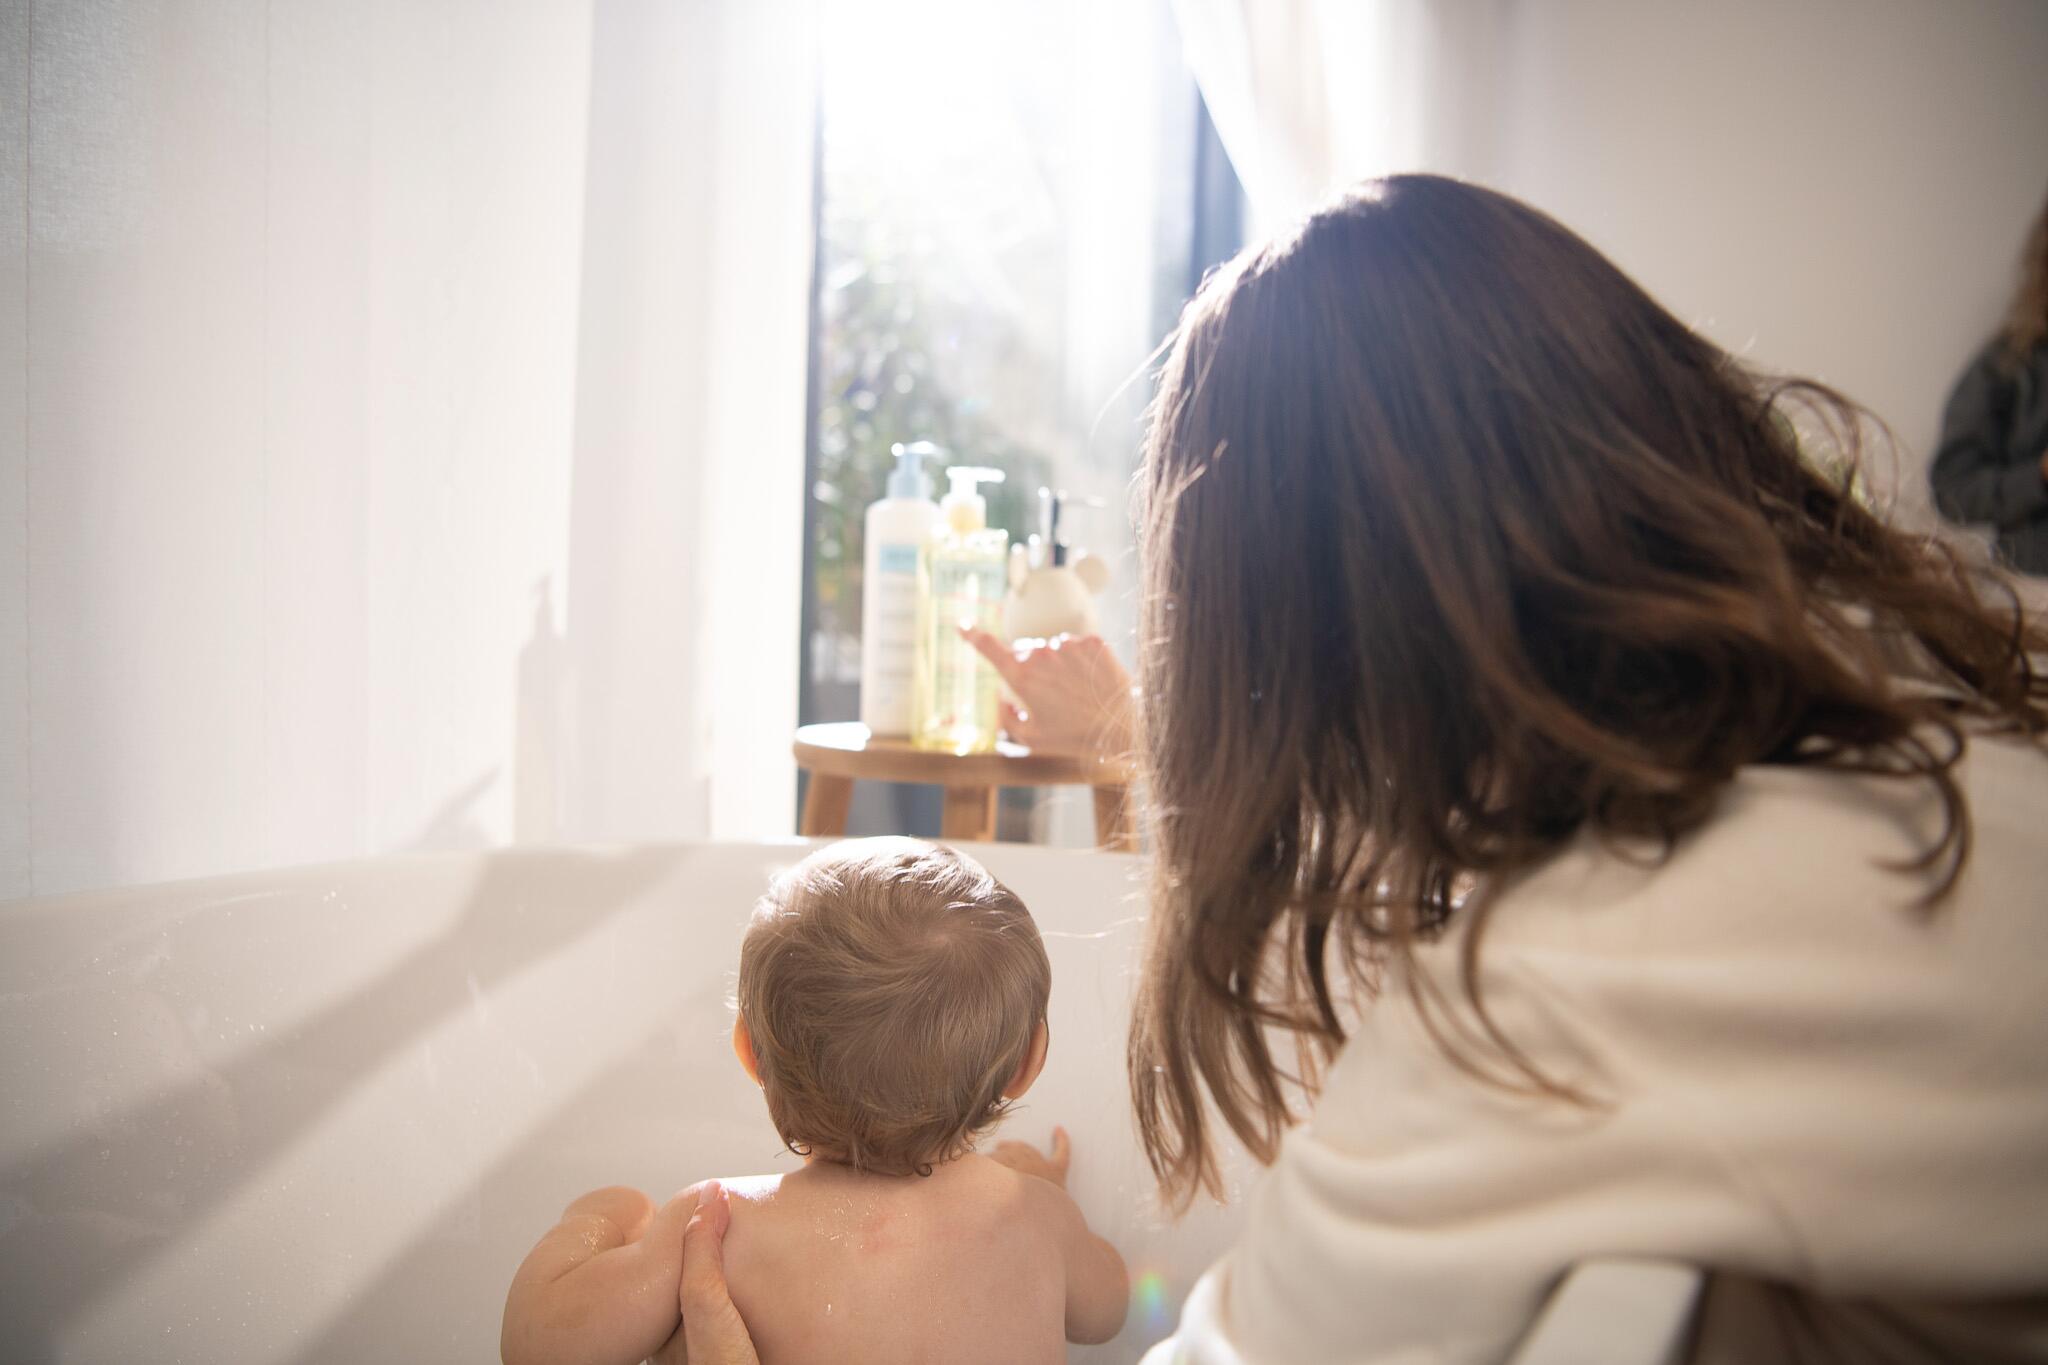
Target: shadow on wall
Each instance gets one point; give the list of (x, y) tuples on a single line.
[(454, 825), (82, 1216), (539, 684), (537, 720), (537, 759)]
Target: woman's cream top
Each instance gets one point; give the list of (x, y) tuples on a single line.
[(1832, 1099)]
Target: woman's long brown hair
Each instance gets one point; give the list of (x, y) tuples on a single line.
[(2026, 321), (1457, 545)]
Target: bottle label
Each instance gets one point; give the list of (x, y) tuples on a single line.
[(888, 632)]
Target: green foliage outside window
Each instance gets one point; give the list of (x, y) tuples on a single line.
[(898, 345)]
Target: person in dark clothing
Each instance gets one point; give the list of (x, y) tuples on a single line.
[(1992, 465)]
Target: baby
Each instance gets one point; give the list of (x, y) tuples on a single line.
[(892, 999)]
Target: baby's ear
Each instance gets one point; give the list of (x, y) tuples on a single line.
[(1033, 1063), (743, 1048)]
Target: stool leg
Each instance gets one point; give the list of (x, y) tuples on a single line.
[(826, 803), (970, 814), (1113, 819)]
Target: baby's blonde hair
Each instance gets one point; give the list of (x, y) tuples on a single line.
[(892, 988)]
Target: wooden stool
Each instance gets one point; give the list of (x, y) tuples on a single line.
[(837, 755)]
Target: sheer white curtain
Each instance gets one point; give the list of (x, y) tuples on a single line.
[(1310, 95), (401, 421)]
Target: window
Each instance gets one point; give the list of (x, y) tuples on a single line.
[(1015, 201)]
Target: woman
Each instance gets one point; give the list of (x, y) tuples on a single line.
[(1992, 466), (1580, 828)]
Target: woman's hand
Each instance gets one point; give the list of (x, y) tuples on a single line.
[(1075, 697), (1025, 1159), (712, 1333)]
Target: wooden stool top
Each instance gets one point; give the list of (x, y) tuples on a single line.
[(845, 749)]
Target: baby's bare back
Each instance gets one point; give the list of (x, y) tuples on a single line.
[(829, 1265)]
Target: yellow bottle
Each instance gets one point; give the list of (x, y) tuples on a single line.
[(960, 581)]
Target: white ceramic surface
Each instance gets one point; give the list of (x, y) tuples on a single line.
[(320, 1114)]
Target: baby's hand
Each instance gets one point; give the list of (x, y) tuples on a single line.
[(1025, 1159), (1098, 1284)]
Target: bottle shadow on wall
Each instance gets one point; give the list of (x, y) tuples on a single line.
[(538, 708)]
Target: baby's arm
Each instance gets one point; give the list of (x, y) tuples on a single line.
[(600, 1287), (1098, 1285)]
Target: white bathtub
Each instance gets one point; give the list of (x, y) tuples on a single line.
[(320, 1114)]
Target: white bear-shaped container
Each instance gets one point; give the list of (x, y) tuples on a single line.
[(1052, 589)]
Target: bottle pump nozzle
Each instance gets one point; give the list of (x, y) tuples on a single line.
[(1049, 546), (1051, 549), (966, 510), (908, 479)]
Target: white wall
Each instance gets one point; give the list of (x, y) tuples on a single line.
[(316, 322), (300, 293), (1833, 187)]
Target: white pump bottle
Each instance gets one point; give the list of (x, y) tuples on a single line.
[(897, 528)]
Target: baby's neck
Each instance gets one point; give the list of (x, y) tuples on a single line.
[(824, 1165)]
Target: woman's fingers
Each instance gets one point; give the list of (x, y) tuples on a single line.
[(998, 652), (1072, 696), (1062, 1152), (713, 1331), (1017, 723)]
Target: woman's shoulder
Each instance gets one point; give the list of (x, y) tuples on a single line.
[(1771, 1031), (1792, 853), (1789, 941), (1785, 956)]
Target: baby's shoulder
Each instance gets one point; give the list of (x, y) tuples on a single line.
[(764, 1218), (1012, 1197), (989, 1177), (742, 1190), (752, 1198), (752, 1189)]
